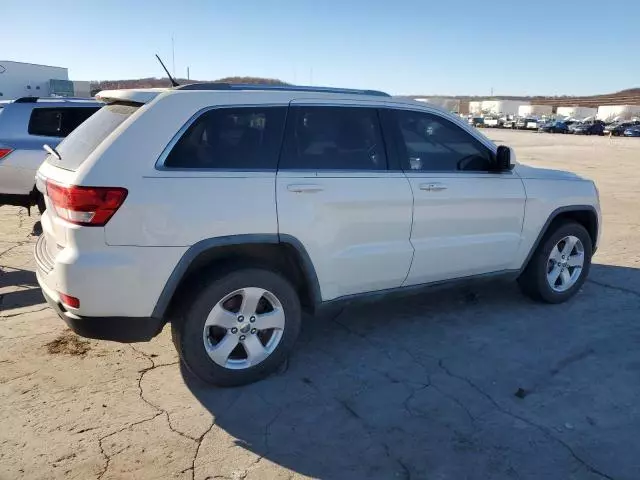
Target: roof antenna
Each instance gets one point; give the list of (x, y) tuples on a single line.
[(173, 82)]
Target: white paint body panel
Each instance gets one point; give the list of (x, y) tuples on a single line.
[(355, 228), (473, 226), (18, 171)]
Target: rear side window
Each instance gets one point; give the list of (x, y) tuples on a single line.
[(58, 122), (246, 138), (85, 139), (333, 138)]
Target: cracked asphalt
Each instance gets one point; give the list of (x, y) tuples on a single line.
[(454, 384)]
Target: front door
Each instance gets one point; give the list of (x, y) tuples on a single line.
[(336, 195), (466, 220)]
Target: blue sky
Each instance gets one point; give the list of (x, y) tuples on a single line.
[(404, 46)]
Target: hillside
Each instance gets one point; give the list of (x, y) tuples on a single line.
[(625, 97)]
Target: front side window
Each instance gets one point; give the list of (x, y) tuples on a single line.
[(58, 122), (333, 138), (246, 138), (432, 143)]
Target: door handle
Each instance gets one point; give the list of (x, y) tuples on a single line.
[(304, 188), (433, 187)]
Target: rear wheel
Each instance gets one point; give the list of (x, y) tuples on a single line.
[(240, 327), (560, 264)]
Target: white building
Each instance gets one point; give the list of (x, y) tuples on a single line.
[(534, 110), (502, 107), (496, 107), (618, 112), (475, 107), (449, 104), (578, 113), (18, 79)]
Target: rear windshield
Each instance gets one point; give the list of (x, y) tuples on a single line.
[(75, 149)]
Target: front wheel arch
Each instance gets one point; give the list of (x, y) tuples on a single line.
[(585, 215)]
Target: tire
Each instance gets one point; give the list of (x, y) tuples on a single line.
[(533, 280), (189, 334)]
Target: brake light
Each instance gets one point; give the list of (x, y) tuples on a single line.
[(89, 206), (69, 301), (5, 151)]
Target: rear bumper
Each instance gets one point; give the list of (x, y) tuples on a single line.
[(117, 329)]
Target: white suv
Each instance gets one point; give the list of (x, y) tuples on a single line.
[(229, 210)]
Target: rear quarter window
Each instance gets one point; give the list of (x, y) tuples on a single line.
[(75, 149)]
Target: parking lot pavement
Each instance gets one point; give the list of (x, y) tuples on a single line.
[(453, 384)]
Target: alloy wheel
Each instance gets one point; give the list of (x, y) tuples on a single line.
[(565, 264), (244, 328)]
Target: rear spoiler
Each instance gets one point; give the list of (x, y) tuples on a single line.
[(140, 96)]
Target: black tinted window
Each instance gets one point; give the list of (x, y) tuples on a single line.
[(231, 138), (333, 138), (432, 143), (58, 122)]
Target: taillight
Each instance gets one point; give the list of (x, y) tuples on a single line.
[(89, 206), (5, 151)]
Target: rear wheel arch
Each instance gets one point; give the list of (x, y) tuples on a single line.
[(215, 256)]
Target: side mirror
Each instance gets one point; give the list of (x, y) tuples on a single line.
[(505, 159)]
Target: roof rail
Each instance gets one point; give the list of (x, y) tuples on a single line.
[(284, 88), (26, 100), (56, 99)]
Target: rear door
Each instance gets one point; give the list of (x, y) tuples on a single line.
[(337, 195), (466, 219)]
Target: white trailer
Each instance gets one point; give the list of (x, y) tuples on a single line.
[(449, 104), (577, 113), (534, 110), (618, 112), (475, 107), (502, 107)]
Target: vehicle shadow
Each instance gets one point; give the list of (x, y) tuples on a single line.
[(426, 385), (25, 292)]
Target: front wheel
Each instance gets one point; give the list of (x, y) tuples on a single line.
[(560, 264), (240, 327)]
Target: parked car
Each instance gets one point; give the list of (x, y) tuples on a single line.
[(554, 127), (527, 123), (492, 122), (617, 129), (509, 122), (632, 131), (269, 201), (594, 128), (476, 121), (26, 124)]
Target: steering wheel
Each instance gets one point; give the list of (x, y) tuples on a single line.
[(464, 162)]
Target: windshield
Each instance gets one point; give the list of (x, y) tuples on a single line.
[(75, 149)]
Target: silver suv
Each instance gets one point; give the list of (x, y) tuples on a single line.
[(26, 124)]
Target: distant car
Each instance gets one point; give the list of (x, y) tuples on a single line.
[(492, 122), (554, 127), (509, 123), (617, 129), (595, 128), (632, 131), (476, 121), (26, 124), (527, 123)]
